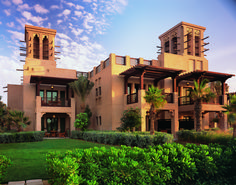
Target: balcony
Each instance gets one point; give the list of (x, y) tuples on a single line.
[(132, 98), (55, 102), (186, 100)]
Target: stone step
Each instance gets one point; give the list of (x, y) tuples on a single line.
[(28, 182), (17, 183), (34, 182)]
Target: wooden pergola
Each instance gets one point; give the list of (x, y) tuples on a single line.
[(146, 71), (50, 80), (199, 75)]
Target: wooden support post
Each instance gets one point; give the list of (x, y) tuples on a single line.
[(223, 87), (174, 84), (141, 80)]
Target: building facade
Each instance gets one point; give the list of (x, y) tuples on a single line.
[(120, 83)]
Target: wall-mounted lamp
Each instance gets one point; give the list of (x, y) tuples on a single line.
[(187, 83), (53, 116), (51, 86)]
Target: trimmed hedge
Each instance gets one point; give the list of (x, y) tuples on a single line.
[(166, 164), (19, 137), (204, 137), (121, 138), (4, 164)]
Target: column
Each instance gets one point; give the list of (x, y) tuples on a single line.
[(174, 122), (141, 79)]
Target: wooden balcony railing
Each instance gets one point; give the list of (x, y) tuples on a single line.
[(55, 102), (186, 100), (169, 97), (132, 98)]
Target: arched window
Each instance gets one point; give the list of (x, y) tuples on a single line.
[(45, 48), (36, 46)]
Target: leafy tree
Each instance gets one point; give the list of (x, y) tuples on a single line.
[(89, 113), (81, 121), (200, 93), (131, 119), (3, 113), (231, 111), (82, 87), (156, 99), (19, 119)]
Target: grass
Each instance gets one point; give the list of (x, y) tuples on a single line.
[(29, 159)]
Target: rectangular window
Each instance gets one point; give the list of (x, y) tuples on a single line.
[(167, 44), (137, 86), (174, 45), (129, 88), (96, 91), (120, 60), (41, 93), (134, 61), (100, 91), (100, 120)]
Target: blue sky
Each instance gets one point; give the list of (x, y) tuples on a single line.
[(88, 30)]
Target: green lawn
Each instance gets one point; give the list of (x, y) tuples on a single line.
[(29, 159)]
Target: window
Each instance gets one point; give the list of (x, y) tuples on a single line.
[(166, 45), (36, 47), (134, 61), (96, 91), (100, 120), (174, 45), (45, 49), (189, 39), (197, 43), (137, 86), (41, 93), (52, 96), (129, 88), (100, 91), (120, 60)]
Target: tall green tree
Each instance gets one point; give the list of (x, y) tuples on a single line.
[(82, 87), (200, 93), (3, 115), (231, 112), (156, 99), (131, 119)]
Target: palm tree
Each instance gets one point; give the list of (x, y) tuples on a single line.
[(82, 87), (156, 99), (19, 119), (231, 111), (200, 93)]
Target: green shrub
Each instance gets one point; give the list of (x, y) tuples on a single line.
[(81, 121), (161, 164), (204, 137), (142, 140), (19, 137), (131, 119), (4, 164)]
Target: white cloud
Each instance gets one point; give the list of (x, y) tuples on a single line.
[(78, 13), (70, 4), (17, 2), (16, 35), (39, 9), (75, 31), (59, 21), (65, 13), (79, 7), (89, 18), (6, 3), (55, 7), (87, 1), (23, 7), (11, 24), (63, 36), (84, 38), (7, 12), (36, 19)]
